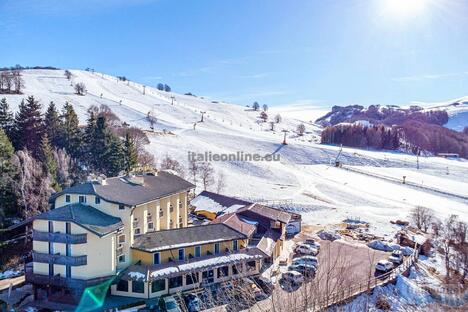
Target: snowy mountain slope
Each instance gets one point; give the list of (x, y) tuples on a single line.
[(457, 110), (303, 175)]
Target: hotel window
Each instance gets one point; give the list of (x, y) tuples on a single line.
[(223, 271), (171, 208), (150, 226), (216, 248), (67, 198), (51, 226), (175, 282), (181, 254), (180, 204), (51, 248), (97, 200), (68, 250), (121, 239), (157, 258), (121, 206), (191, 278), (137, 231), (121, 258), (51, 269), (251, 266), (149, 217), (181, 222), (122, 285), (161, 212), (82, 199), (68, 271), (68, 227), (197, 251), (234, 245), (159, 285), (138, 287)]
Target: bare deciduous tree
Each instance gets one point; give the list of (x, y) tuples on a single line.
[(278, 118), (171, 164), (206, 173), (221, 182), (422, 218), (300, 129), (193, 169), (80, 88), (67, 74)]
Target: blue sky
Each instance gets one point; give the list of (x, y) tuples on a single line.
[(275, 52)]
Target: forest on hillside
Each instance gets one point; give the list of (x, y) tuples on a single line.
[(412, 136)]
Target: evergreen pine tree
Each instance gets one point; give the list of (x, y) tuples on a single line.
[(7, 178), (114, 156), (89, 155), (6, 118), (53, 125), (71, 139), (48, 161), (131, 155), (28, 126)]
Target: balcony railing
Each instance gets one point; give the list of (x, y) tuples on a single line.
[(61, 281), (59, 237), (59, 259)]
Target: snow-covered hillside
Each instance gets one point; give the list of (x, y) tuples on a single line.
[(303, 177), (457, 110)]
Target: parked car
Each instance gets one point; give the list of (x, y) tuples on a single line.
[(169, 304), (305, 249), (308, 270), (384, 266), (306, 260), (292, 277), (193, 303), (396, 257), (312, 243)]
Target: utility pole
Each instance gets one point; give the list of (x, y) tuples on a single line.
[(284, 138), (172, 101), (202, 114), (417, 159)]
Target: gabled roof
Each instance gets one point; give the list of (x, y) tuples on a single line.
[(186, 237), (216, 203), (85, 216), (234, 221), (123, 190), (266, 212)]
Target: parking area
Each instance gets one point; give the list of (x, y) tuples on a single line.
[(341, 264)]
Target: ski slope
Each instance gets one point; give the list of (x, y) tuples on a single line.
[(322, 193)]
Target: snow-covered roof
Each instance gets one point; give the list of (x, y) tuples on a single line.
[(217, 203), (154, 272)]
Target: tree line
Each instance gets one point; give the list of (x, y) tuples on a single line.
[(43, 153), (412, 136), (11, 81)]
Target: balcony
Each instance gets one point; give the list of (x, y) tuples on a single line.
[(59, 237), (59, 259), (60, 281)]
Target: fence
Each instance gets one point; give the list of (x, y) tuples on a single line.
[(355, 290)]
